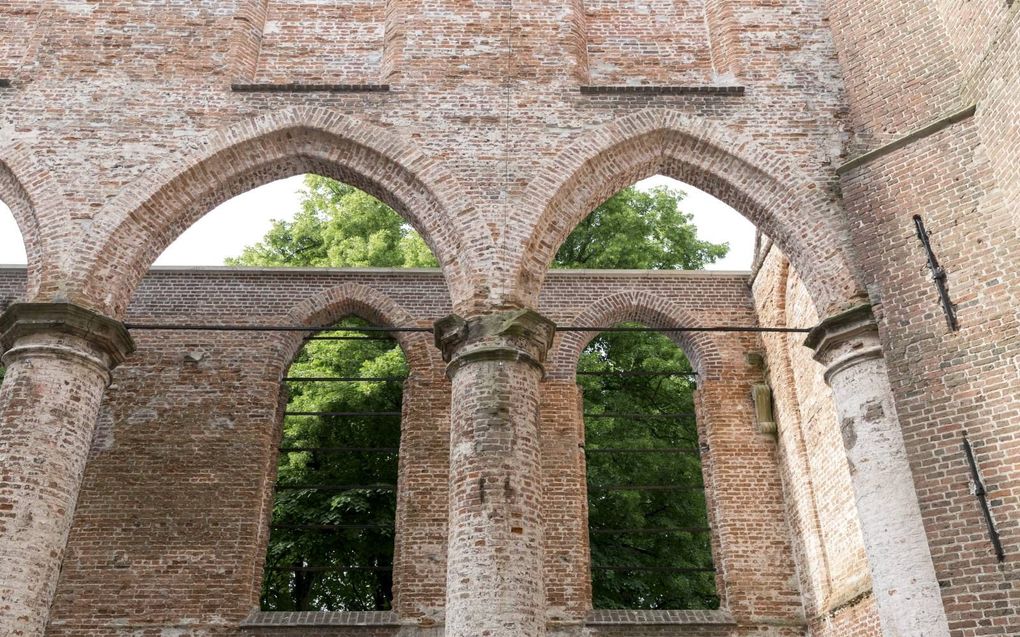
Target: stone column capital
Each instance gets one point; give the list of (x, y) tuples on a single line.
[(845, 339), (65, 327), (516, 335)]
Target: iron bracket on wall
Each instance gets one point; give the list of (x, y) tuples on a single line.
[(938, 274), (979, 491)]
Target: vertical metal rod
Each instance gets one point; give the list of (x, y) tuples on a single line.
[(938, 274), (979, 491)]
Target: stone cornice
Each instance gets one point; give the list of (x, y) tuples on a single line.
[(22, 320)]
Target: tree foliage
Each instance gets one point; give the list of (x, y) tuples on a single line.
[(638, 230), (339, 226)]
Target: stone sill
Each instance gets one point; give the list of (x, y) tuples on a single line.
[(659, 618), (294, 87), (589, 89), (308, 618)]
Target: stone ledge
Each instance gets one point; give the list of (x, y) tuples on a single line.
[(659, 618), (321, 618), (592, 89), (297, 87)]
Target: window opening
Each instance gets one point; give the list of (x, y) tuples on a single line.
[(332, 530), (647, 514)]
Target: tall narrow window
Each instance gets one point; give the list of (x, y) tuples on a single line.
[(332, 531), (648, 520)]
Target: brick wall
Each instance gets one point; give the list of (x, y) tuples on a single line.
[(120, 128), (832, 566), (156, 544)]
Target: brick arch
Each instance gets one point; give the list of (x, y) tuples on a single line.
[(770, 192), (135, 227), (651, 311), (352, 299), (26, 188)]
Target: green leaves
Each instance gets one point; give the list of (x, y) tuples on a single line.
[(641, 231), (356, 524), (653, 411), (339, 226)]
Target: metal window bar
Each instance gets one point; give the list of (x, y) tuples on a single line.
[(677, 450), (617, 414), (656, 569), (328, 527), (646, 487), (336, 487), (196, 327), (339, 449), (344, 379), (346, 414), (327, 569), (674, 529)]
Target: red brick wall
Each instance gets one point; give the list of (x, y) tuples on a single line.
[(308, 42), (181, 472), (832, 566)]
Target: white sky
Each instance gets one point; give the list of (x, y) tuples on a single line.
[(245, 219)]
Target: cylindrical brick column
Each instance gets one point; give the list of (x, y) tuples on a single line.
[(902, 573), (58, 359), (494, 582)]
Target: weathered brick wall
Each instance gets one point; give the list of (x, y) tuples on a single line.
[(934, 59), (172, 522), (483, 97), (833, 568), (120, 128)]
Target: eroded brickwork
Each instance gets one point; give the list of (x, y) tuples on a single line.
[(193, 415), (123, 122)]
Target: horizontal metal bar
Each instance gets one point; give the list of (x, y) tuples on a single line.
[(335, 487), (343, 413), (196, 327), (327, 527), (344, 379), (348, 338), (636, 374), (678, 450), (654, 569), (618, 414), (675, 529), (712, 328), (340, 449), (648, 487), (327, 569), (369, 329)]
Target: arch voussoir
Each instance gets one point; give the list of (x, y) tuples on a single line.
[(701, 348), (145, 218), (787, 206)]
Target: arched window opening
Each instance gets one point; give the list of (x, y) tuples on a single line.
[(648, 523), (660, 223), (12, 250), (12, 245), (332, 530), (302, 221)]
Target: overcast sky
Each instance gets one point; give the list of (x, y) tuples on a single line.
[(244, 220)]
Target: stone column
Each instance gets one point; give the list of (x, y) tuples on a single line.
[(494, 579), (58, 359), (903, 576)]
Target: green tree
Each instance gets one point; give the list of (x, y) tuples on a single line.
[(640, 231), (339, 226)]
